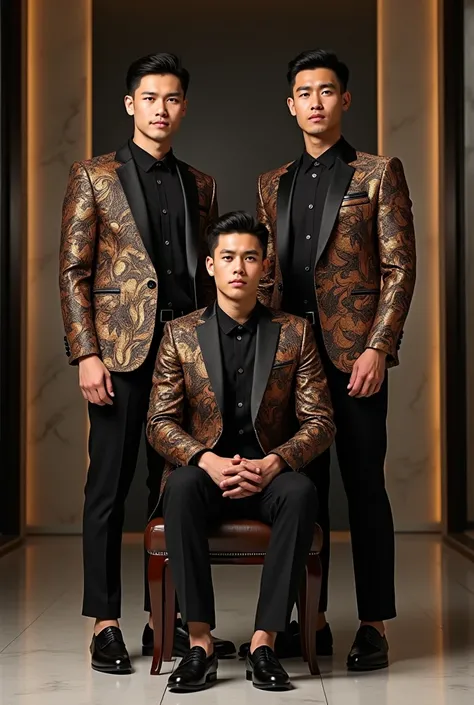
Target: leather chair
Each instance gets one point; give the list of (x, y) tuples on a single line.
[(239, 542)]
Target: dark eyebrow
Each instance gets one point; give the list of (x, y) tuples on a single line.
[(321, 85), (232, 252), (168, 95)]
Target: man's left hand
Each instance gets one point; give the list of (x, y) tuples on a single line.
[(267, 469), (368, 374)]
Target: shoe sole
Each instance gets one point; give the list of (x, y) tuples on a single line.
[(148, 651), (210, 680), (361, 669), (248, 676), (113, 671)]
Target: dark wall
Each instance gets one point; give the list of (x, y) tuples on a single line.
[(237, 124)]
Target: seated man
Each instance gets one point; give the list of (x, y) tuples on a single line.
[(239, 406)]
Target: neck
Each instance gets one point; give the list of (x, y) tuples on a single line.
[(240, 311), (318, 144), (156, 149)]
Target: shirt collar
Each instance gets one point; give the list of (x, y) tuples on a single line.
[(147, 161), (228, 326), (327, 158)]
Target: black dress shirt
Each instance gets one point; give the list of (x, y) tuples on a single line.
[(165, 204), (309, 196), (238, 346)]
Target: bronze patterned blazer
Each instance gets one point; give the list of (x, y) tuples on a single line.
[(365, 266), (108, 282), (290, 403)]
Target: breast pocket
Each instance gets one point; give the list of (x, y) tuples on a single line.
[(284, 363)]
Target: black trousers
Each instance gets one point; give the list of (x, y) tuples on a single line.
[(193, 502), (361, 444), (114, 441)]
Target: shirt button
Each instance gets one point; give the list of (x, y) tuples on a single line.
[(240, 404), (316, 163), (239, 327), (167, 242), (240, 371), (305, 301), (159, 165), (308, 237), (241, 432), (170, 304), (239, 337), (306, 269), (158, 181), (310, 206), (168, 271), (314, 175), (164, 211)]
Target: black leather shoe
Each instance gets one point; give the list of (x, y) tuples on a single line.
[(369, 651), (109, 653), (222, 649), (288, 644), (265, 671), (195, 672)]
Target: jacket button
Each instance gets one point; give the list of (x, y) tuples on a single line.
[(151, 284)]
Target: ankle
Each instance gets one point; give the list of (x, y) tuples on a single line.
[(262, 638), (101, 624), (150, 621), (379, 626), (321, 621), (200, 635)]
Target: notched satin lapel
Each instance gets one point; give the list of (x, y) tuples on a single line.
[(286, 188), (191, 212), (131, 185), (337, 189), (208, 337), (268, 335)]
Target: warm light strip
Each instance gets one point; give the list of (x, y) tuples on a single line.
[(433, 126)]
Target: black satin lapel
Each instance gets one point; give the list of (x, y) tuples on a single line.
[(286, 187), (337, 188), (268, 334), (191, 212), (130, 181), (208, 337)]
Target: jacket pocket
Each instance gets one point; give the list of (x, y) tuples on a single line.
[(106, 291), (356, 194), (286, 363), (365, 292)]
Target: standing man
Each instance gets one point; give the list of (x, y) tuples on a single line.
[(132, 257), (342, 249)]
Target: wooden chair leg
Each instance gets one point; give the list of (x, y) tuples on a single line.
[(313, 591), (170, 614), (302, 618), (156, 567)]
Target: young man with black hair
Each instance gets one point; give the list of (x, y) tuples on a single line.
[(132, 257), (342, 254), (239, 407)]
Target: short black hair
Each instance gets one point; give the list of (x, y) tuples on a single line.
[(318, 59), (237, 222), (161, 63)]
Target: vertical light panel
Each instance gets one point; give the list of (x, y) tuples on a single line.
[(59, 104), (408, 128)]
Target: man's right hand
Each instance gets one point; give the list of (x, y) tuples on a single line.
[(215, 466), (95, 381)]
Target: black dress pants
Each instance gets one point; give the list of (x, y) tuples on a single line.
[(361, 444), (114, 441), (192, 503)]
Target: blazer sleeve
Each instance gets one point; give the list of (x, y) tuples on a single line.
[(266, 288), (167, 406), (397, 251), (313, 408), (76, 257)]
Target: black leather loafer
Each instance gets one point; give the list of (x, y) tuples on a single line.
[(288, 644), (109, 653), (222, 649), (369, 651), (196, 671), (265, 671)]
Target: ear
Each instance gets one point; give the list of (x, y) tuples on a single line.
[(129, 106), (210, 266), (265, 266), (346, 101), (291, 106), (185, 107)]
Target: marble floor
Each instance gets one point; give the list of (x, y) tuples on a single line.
[(44, 642)]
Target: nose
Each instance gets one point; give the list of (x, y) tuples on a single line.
[(317, 103), (160, 108), (239, 267)]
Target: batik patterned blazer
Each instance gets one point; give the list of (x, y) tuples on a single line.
[(108, 281), (365, 266), (290, 404)]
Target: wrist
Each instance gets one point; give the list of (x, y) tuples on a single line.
[(205, 460), (277, 464), (382, 353)]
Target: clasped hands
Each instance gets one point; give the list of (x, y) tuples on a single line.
[(239, 477)]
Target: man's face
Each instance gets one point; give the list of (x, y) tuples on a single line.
[(158, 106), (237, 266), (317, 102)]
